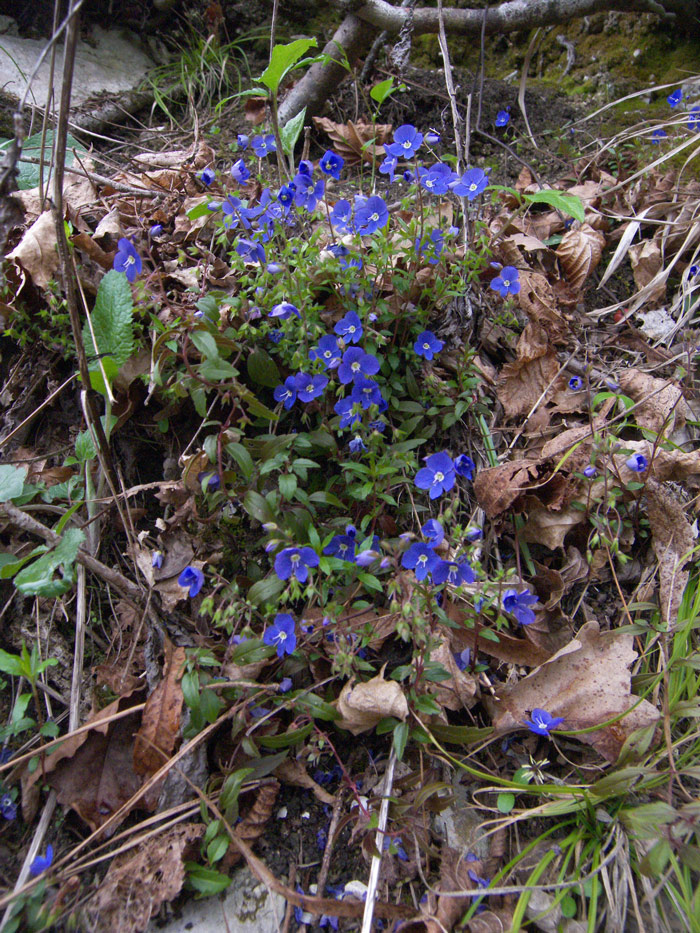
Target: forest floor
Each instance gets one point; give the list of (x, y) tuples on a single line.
[(383, 576)]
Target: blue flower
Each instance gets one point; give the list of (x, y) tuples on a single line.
[(193, 578), (156, 230), (239, 172), (438, 475), (341, 216), (420, 558), (235, 213), (506, 282), (349, 328), (157, 560), (8, 808), (590, 471), (286, 195), (657, 136), (250, 251), (518, 604), (473, 534), (694, 119), (326, 352), (453, 572), (308, 194), (285, 685), (542, 722), (407, 142), (310, 387), (471, 184), (388, 167), (295, 562), (281, 635), (306, 168), (349, 417), (274, 268), (127, 260), (372, 216), (675, 97), (207, 176), (463, 659), (638, 463), (41, 862), (433, 532), (431, 245), (209, 480), (286, 393), (343, 546), (357, 445), (576, 383), (437, 179), (276, 335), (355, 364), (331, 164), (464, 466), (242, 141), (284, 310), (432, 137), (502, 118), (427, 345), (366, 392), (263, 145)]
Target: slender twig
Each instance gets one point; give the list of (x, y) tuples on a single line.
[(379, 843)]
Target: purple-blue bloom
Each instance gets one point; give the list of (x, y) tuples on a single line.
[(284, 310), (638, 463), (308, 194), (263, 145), (432, 137), (407, 142), (41, 862), (207, 176), (506, 282), (438, 476), (453, 572), (239, 172), (242, 140), (388, 167), (542, 722), (694, 119), (675, 97), (157, 559), (437, 179), (285, 685), (502, 118), (326, 351), (366, 392), (357, 445), (433, 532), (420, 558), (349, 328), (343, 546), (345, 407), (235, 213), (427, 345), (193, 578), (657, 136), (355, 364), (372, 216), (156, 230), (250, 250), (127, 260), (464, 466), (341, 216), (295, 562), (331, 164), (576, 383), (209, 480), (8, 807), (281, 635), (518, 604), (309, 387), (471, 184), (590, 471), (286, 393)]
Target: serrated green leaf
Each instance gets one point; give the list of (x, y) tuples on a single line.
[(282, 60), (262, 369), (291, 131), (38, 578), (29, 173), (84, 448), (112, 321), (566, 203), (11, 481)]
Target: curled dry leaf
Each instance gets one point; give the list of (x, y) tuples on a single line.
[(292, 771), (579, 253), (661, 406), (160, 721), (587, 683), (647, 261), (673, 542), (538, 301), (549, 528), (36, 252), (363, 705), (356, 142), (460, 690), (252, 825), (255, 110), (497, 488), (142, 879), (527, 381)]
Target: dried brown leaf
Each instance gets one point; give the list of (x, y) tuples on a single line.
[(252, 825), (139, 881), (550, 528), (255, 110), (579, 253), (538, 301), (587, 683), (661, 408), (160, 721), (352, 139), (460, 690), (36, 252), (647, 260), (673, 542), (497, 488), (522, 384), (363, 705), (292, 771)]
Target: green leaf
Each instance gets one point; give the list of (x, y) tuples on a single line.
[(426, 704), (262, 369), (84, 448), (318, 708), (286, 739), (199, 210), (28, 171), (37, 578), (505, 802), (112, 321), (205, 343), (400, 738), (10, 664), (291, 131), (217, 849), (559, 200), (287, 483), (207, 881), (258, 507), (282, 60), (11, 481), (265, 590), (381, 91)]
